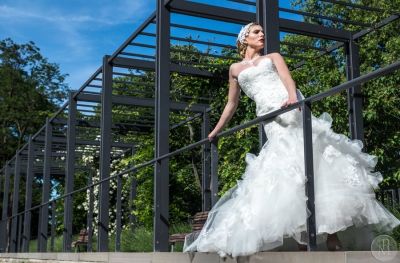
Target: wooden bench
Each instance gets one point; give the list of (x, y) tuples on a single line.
[(199, 220), (82, 241)]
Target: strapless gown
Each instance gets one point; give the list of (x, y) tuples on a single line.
[(269, 203)]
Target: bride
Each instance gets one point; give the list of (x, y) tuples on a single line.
[(269, 203)]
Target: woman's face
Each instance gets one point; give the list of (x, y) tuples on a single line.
[(255, 38)]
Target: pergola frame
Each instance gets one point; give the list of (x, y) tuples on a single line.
[(16, 238)]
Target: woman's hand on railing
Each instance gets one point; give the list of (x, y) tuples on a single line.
[(291, 100), (212, 135)]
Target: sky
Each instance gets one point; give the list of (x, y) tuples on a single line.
[(75, 34)]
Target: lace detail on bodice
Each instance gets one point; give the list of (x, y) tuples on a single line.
[(263, 85)]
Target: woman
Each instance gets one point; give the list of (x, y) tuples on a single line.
[(269, 203)]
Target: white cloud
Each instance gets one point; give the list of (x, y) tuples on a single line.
[(73, 34), (108, 14)]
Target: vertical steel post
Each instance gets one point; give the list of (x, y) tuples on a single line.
[(44, 210), (15, 201), (28, 196), (1, 222), (14, 220), (4, 231), (69, 173), (206, 163), (105, 155), (309, 173), (354, 95), (118, 215), (161, 168), (53, 225), (267, 15), (398, 196), (214, 172), (90, 213), (19, 233), (132, 196)]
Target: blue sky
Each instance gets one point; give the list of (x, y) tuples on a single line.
[(75, 34)]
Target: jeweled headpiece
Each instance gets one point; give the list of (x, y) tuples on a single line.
[(244, 32)]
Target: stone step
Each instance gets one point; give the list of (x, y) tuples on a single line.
[(166, 257)]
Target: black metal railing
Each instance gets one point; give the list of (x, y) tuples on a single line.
[(15, 238)]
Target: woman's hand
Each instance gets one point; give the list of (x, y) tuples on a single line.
[(291, 100), (212, 135)]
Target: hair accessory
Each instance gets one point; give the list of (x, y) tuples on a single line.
[(244, 32)]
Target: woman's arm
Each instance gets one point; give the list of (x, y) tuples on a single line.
[(286, 78), (230, 107)]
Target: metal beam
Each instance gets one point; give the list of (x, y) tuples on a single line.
[(89, 224), (133, 36), (354, 95), (206, 165), (4, 215), (268, 17), (63, 140), (130, 63), (69, 173), (105, 156), (44, 210), (242, 17), (214, 172), (309, 174), (118, 219), (15, 202), (28, 196), (161, 169), (143, 102), (313, 30)]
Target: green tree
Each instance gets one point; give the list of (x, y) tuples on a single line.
[(31, 88)]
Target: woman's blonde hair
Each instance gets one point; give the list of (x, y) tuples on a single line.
[(242, 46)]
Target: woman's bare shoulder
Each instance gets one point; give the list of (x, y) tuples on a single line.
[(234, 69)]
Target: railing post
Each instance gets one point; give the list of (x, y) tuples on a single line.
[(2, 233), (206, 169), (69, 173), (53, 225), (19, 235), (354, 95), (28, 196), (132, 196), (309, 173), (214, 172), (15, 201), (4, 237), (44, 210), (105, 155), (90, 213), (267, 15), (162, 97), (118, 215)]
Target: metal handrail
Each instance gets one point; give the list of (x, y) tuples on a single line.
[(265, 118)]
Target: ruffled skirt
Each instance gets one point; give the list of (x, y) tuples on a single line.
[(269, 203)]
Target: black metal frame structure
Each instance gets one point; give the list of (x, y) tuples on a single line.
[(60, 136)]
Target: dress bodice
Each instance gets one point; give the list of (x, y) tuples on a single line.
[(263, 85)]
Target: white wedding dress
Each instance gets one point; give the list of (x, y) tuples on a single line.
[(269, 202)]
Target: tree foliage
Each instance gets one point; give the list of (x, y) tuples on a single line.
[(31, 88)]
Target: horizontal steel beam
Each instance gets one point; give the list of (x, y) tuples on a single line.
[(86, 142), (242, 17), (313, 30), (96, 124), (130, 63), (143, 102)]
